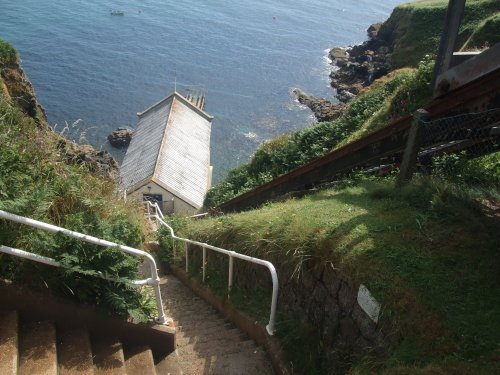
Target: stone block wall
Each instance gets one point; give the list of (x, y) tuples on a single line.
[(320, 296)]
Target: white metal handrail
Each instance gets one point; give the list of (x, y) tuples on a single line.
[(232, 254), (153, 281)]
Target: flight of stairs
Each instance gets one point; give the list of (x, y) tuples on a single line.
[(31, 347)]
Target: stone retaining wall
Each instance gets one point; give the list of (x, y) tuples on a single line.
[(322, 297)]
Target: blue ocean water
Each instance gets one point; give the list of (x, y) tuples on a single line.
[(246, 56)]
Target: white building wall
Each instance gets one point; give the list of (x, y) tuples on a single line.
[(178, 205)]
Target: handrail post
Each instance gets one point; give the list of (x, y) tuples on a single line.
[(274, 299), (410, 155), (187, 256), (204, 261), (230, 276)]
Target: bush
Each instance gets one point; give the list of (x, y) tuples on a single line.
[(8, 54), (481, 173)]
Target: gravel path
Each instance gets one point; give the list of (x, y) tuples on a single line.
[(206, 342)]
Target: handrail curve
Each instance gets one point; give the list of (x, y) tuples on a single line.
[(153, 281)]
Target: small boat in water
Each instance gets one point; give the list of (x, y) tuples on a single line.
[(117, 12)]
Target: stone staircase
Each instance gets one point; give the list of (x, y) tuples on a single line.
[(31, 347), (41, 334), (206, 342)]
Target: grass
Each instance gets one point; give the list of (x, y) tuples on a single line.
[(429, 255), (417, 28)]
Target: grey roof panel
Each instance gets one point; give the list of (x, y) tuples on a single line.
[(184, 162), (140, 160)]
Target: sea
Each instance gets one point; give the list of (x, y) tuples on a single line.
[(93, 71)]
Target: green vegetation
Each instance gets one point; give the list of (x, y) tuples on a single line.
[(416, 28), (426, 251), (487, 32), (37, 182), (8, 54), (399, 94)]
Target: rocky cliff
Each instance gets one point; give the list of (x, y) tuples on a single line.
[(16, 87)]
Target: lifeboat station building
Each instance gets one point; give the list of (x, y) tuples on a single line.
[(168, 159)]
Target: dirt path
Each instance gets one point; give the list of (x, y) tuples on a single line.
[(206, 342)]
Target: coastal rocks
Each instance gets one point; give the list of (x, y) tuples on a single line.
[(339, 56), (120, 138), (360, 65), (323, 109), (100, 163), (19, 89)]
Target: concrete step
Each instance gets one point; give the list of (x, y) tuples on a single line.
[(170, 365), (8, 342), (108, 357), (42, 347), (74, 352), (139, 361), (37, 348)]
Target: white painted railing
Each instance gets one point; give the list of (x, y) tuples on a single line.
[(155, 213), (153, 281)]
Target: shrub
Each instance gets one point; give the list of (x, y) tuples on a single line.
[(8, 54)]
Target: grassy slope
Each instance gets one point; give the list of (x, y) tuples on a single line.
[(36, 181), (429, 257), (417, 28)]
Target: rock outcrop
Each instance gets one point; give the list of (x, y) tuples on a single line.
[(354, 68), (18, 88), (120, 138), (359, 66), (100, 163), (323, 109)]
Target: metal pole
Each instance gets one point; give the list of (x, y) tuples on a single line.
[(274, 299), (187, 257), (230, 279), (451, 26), (204, 261)]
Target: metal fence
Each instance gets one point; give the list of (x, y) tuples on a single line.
[(447, 146)]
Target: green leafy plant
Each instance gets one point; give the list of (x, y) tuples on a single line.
[(37, 182)]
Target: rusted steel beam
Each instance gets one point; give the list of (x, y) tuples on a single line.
[(451, 25), (468, 71), (477, 96), (386, 141)]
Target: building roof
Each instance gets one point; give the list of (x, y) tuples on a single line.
[(171, 147)]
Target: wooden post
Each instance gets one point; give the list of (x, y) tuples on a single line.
[(448, 38), (412, 146)]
